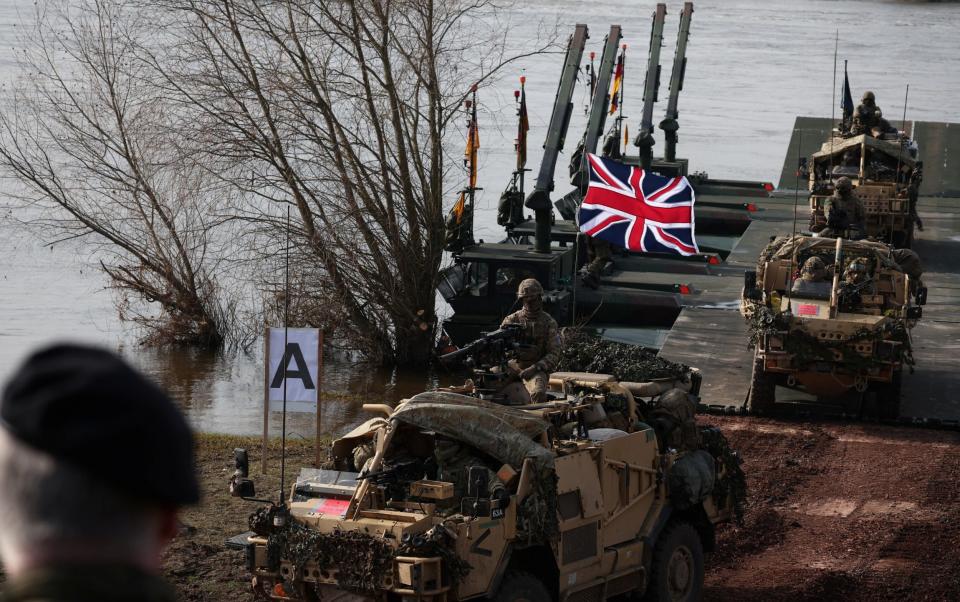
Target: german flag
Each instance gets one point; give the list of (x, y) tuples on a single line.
[(617, 83), (523, 126), (473, 145)]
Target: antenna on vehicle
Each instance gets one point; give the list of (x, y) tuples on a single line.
[(896, 181), (286, 314), (796, 200), (833, 99)]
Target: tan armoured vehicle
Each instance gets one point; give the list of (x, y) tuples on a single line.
[(451, 497), (842, 334), (886, 177)]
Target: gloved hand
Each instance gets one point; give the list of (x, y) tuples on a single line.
[(529, 371)]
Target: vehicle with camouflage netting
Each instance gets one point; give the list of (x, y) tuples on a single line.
[(886, 176), (592, 494), (832, 318)]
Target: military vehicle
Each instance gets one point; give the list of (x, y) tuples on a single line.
[(450, 497), (886, 175), (843, 331), (641, 290)]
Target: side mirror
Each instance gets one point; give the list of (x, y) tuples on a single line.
[(914, 313), (240, 485), (478, 485), (922, 295)]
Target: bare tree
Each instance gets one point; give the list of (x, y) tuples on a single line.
[(102, 154), (342, 111)]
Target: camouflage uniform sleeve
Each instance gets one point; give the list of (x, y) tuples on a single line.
[(551, 356), (510, 319)]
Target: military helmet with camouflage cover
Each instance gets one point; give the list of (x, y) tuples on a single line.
[(844, 184), (529, 288), (812, 267), (868, 96)]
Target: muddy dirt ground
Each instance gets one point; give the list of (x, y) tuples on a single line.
[(848, 511)]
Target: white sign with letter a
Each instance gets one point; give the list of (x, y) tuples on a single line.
[(294, 364)]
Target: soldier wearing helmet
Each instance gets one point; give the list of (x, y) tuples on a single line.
[(850, 165), (540, 351), (856, 272), (868, 118), (813, 279), (845, 212)]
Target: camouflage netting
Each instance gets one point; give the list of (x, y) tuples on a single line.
[(585, 352), (734, 481), (785, 247), (501, 432), (359, 559), (807, 348)]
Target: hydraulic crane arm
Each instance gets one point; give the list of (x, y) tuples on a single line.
[(669, 125), (651, 85)]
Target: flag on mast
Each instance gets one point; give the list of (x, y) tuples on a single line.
[(473, 143), (617, 83), (523, 126), (639, 210), (847, 102)]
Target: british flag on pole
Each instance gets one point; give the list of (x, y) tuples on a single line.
[(637, 209)]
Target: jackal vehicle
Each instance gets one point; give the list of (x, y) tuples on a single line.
[(832, 317), (451, 497), (886, 175)]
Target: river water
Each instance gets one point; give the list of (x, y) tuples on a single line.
[(753, 66)]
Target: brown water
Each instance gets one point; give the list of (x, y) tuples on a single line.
[(753, 66)]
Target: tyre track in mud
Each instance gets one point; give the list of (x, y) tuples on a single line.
[(858, 511)]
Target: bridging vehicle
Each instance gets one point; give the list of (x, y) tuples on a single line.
[(843, 330), (451, 497)]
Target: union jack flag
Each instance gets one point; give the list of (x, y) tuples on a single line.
[(642, 211)]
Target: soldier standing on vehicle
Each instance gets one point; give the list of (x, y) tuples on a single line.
[(94, 461), (867, 114), (845, 212), (540, 340)]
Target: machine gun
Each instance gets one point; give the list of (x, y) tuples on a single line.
[(848, 295), (539, 199), (644, 140), (496, 344), (669, 125)]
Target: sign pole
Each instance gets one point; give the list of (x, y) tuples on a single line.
[(266, 399), (319, 459)]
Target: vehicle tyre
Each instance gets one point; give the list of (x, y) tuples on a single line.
[(888, 398), (763, 389), (677, 571), (518, 586)]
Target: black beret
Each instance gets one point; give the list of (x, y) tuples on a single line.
[(86, 407)]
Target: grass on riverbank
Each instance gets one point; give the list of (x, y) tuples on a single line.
[(197, 561)]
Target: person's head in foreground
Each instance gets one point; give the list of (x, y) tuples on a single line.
[(95, 460)]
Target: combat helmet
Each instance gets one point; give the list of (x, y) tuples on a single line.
[(868, 95), (844, 184), (529, 288), (813, 267), (856, 270)]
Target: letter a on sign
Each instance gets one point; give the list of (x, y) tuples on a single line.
[(294, 357)]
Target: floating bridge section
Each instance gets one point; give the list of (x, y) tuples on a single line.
[(711, 335)]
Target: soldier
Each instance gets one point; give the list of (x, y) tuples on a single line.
[(813, 279), (599, 254), (849, 167), (867, 117), (541, 350), (454, 461), (845, 212), (95, 461)]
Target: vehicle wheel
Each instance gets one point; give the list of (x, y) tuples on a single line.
[(677, 571), (888, 398), (763, 389), (522, 587)]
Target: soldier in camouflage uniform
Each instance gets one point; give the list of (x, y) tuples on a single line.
[(540, 340), (454, 461), (868, 116), (845, 212), (599, 254), (813, 279)]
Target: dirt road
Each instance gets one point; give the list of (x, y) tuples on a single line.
[(834, 512), (841, 511)]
